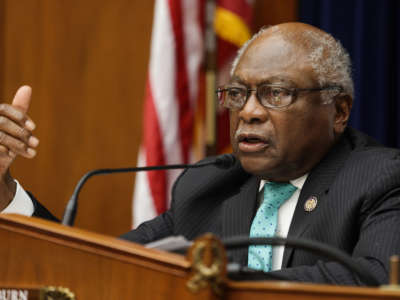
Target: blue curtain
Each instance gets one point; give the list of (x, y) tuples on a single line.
[(370, 31)]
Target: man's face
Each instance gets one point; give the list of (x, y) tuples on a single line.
[(280, 144)]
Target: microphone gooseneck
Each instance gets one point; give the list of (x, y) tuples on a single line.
[(313, 246), (224, 160)]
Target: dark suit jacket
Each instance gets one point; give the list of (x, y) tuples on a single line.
[(357, 185)]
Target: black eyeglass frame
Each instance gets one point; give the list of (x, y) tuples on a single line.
[(293, 92)]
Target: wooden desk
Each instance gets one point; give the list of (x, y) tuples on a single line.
[(35, 252)]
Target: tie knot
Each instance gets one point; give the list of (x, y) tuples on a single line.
[(275, 193)]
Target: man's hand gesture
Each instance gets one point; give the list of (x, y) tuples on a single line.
[(15, 139)]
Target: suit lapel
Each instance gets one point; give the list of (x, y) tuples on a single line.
[(317, 184), (237, 214)]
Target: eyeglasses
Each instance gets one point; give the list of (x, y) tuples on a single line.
[(269, 95)]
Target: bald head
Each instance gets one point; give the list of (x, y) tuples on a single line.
[(325, 55)]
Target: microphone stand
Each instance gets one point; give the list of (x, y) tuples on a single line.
[(225, 160)]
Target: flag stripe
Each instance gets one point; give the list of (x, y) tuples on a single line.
[(162, 76), (163, 72), (162, 66), (143, 206), (154, 153), (181, 80), (193, 44)]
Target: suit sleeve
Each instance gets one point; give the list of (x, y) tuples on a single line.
[(155, 229), (40, 211)]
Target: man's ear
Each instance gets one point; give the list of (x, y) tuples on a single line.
[(343, 105)]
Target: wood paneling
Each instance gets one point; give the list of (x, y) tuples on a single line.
[(87, 64)]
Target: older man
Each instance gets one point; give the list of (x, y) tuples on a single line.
[(300, 171)]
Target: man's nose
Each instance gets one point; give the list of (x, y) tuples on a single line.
[(253, 111)]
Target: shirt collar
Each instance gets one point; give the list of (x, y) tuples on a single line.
[(298, 182)]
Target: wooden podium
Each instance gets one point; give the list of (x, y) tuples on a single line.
[(36, 253)]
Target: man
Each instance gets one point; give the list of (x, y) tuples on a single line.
[(300, 171)]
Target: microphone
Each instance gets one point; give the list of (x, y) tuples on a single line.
[(238, 272), (309, 245), (224, 161)]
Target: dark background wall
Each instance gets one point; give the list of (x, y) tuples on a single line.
[(370, 31)]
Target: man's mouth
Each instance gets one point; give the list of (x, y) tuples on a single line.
[(249, 142)]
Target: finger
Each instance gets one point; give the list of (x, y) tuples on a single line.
[(9, 127), (16, 115), (29, 124), (11, 154), (5, 150), (22, 98), (16, 146)]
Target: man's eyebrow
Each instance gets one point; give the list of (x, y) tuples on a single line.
[(237, 79), (270, 80), (280, 79)]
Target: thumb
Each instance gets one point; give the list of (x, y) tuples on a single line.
[(22, 98)]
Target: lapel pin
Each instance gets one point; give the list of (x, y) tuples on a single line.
[(310, 204)]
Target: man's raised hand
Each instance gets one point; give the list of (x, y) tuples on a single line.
[(15, 139)]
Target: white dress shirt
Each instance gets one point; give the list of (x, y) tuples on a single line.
[(21, 204), (285, 216)]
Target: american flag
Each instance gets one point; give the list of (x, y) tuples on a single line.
[(172, 91)]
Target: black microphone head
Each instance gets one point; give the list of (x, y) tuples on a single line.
[(225, 160)]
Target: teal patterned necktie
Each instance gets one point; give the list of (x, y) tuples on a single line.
[(265, 221)]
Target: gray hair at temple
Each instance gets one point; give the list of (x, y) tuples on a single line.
[(328, 58)]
